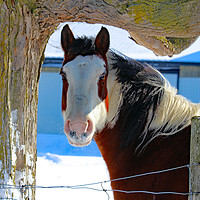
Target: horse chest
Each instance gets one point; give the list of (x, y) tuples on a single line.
[(161, 154)]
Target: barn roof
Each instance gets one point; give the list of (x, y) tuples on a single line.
[(192, 58)]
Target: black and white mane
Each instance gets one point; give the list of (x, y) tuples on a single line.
[(150, 103), (142, 92)]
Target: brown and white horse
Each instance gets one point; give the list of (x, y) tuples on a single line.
[(138, 121)]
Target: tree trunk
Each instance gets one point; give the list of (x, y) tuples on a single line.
[(165, 27), (21, 55)]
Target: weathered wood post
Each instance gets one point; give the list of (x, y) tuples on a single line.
[(195, 160)]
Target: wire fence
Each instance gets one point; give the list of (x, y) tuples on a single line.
[(90, 186)]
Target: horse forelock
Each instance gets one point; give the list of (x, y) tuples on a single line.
[(83, 46), (150, 106)]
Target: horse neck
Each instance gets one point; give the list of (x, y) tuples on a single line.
[(162, 153), (172, 115), (110, 144)]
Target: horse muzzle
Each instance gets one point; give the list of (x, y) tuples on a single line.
[(79, 132)]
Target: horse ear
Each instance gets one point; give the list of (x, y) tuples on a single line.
[(102, 41), (67, 38)]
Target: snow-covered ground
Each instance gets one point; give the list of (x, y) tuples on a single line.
[(60, 164), (55, 170)]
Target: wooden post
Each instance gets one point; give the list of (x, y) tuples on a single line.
[(195, 160)]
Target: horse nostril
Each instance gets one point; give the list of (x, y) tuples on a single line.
[(84, 135), (72, 133)]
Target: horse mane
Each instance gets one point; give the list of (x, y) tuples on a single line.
[(151, 106), (174, 112)]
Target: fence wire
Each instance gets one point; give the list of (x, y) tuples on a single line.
[(88, 186)]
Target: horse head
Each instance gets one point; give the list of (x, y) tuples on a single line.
[(84, 96)]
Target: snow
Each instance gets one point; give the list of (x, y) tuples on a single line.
[(14, 145), (56, 170), (14, 176), (119, 40), (60, 164), (30, 164), (14, 135)]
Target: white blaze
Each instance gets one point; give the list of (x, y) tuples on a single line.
[(83, 102)]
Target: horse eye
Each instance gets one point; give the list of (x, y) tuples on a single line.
[(102, 76), (63, 75)]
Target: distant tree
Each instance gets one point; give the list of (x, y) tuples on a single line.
[(166, 27)]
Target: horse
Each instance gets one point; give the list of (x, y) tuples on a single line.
[(139, 122)]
